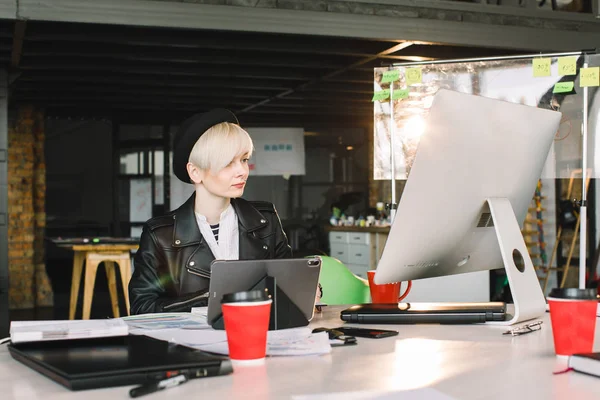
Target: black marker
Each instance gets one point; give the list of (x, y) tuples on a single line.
[(156, 386)]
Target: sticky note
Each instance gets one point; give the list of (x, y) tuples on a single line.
[(567, 66), (390, 76), (381, 95), (541, 67), (563, 87), (589, 76), (413, 75), (399, 94)]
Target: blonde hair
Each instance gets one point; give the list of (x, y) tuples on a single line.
[(219, 145)]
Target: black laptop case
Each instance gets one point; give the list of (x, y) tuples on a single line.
[(115, 361), (414, 313)]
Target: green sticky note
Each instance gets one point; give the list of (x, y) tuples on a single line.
[(589, 76), (390, 76), (567, 66), (381, 95), (541, 67), (563, 87), (399, 94), (413, 75)]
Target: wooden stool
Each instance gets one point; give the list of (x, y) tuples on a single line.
[(109, 255)]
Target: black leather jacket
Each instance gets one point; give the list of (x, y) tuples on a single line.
[(172, 245)]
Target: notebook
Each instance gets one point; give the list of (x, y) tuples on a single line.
[(587, 363), (115, 361), (414, 313), (31, 331)]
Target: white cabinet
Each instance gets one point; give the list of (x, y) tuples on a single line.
[(359, 250), (340, 251)]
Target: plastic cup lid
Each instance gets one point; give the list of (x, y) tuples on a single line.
[(574, 294), (251, 295)]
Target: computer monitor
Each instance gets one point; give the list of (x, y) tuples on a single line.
[(471, 183)]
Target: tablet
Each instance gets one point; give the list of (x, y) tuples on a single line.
[(298, 278)]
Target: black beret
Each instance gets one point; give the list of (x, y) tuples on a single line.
[(188, 134)]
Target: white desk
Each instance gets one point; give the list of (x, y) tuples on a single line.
[(465, 362)]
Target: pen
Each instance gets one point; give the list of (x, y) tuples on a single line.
[(156, 386)]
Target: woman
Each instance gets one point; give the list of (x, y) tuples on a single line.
[(172, 265)]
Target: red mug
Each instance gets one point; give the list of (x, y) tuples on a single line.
[(388, 292)]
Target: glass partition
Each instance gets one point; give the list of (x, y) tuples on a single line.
[(510, 79)]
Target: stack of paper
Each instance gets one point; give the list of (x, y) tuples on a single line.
[(297, 342), (167, 321), (31, 331), (285, 342), (200, 311)]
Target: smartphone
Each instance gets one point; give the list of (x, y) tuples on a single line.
[(366, 332)]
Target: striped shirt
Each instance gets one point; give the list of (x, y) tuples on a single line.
[(228, 247), (215, 231)]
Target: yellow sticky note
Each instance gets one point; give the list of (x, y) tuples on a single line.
[(413, 75), (541, 67), (567, 66), (589, 76), (390, 76), (399, 94), (381, 95)]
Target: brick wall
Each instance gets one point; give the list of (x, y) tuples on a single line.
[(29, 283)]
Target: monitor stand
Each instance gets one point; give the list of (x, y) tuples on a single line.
[(523, 281)]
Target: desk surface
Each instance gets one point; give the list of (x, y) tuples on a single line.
[(464, 362)]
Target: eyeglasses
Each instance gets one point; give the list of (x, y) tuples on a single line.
[(525, 329)]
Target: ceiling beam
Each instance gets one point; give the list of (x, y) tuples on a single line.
[(8, 9), (543, 37), (79, 90), (188, 95), (60, 80), (229, 71), (17, 45), (199, 39), (75, 108), (39, 52), (131, 101), (83, 78), (454, 52), (320, 106), (156, 116)]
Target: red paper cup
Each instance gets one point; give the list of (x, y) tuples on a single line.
[(246, 316), (386, 293), (573, 316)]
